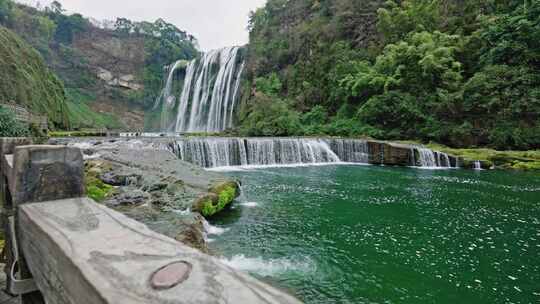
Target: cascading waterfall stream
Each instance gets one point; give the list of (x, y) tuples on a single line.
[(217, 152), (210, 90), (227, 152), (477, 165), (428, 158), (167, 97)]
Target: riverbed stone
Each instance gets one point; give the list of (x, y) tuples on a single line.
[(128, 198), (154, 187), (207, 204)]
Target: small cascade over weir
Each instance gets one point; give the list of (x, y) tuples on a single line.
[(205, 98), (215, 152), (229, 152), (428, 158)]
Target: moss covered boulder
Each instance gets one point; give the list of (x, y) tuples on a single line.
[(219, 196), (96, 189)]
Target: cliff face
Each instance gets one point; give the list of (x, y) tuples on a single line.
[(26, 80), (112, 73), (112, 68)]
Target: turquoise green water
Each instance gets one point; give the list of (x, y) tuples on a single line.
[(366, 234)]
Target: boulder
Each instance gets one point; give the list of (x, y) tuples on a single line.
[(219, 196), (115, 178), (128, 198), (191, 232)]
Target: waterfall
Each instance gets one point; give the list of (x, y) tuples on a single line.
[(350, 150), (477, 165), (215, 152), (167, 97), (210, 91), (430, 159), (225, 152)]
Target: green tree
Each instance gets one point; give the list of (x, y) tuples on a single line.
[(270, 85), (422, 63), (5, 11), (9, 127), (271, 117), (401, 18)]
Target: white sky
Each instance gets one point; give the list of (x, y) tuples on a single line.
[(215, 23)]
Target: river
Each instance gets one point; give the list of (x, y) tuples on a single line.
[(368, 234)]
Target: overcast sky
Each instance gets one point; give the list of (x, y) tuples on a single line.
[(215, 23)]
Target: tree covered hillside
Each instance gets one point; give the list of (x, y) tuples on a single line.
[(112, 70), (459, 72), (25, 79)]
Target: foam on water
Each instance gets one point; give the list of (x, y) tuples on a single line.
[(181, 212), (249, 204), (213, 230), (256, 167), (268, 267)]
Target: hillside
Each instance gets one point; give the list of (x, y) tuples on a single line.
[(462, 73), (112, 71), (26, 80)]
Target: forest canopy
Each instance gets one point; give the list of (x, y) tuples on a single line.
[(459, 72)]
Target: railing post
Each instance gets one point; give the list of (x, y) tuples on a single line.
[(7, 146), (39, 174)]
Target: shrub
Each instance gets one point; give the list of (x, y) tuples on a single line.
[(9, 127)]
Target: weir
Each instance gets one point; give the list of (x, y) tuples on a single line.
[(213, 152)]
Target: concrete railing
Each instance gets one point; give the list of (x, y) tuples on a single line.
[(64, 248)]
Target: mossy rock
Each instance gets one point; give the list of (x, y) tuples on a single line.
[(219, 197), (206, 204), (96, 189), (222, 186)]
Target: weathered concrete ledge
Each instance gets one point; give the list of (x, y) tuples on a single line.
[(88, 253)]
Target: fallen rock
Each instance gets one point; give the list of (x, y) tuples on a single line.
[(128, 198), (120, 179)]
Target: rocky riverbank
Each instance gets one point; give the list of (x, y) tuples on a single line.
[(150, 184)]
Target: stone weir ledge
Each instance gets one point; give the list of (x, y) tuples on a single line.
[(63, 247)]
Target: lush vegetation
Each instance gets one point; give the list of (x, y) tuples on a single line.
[(56, 34), (520, 160), (26, 80), (95, 188), (164, 43), (9, 127), (464, 73)]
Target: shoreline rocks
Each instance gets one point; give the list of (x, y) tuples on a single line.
[(151, 185)]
